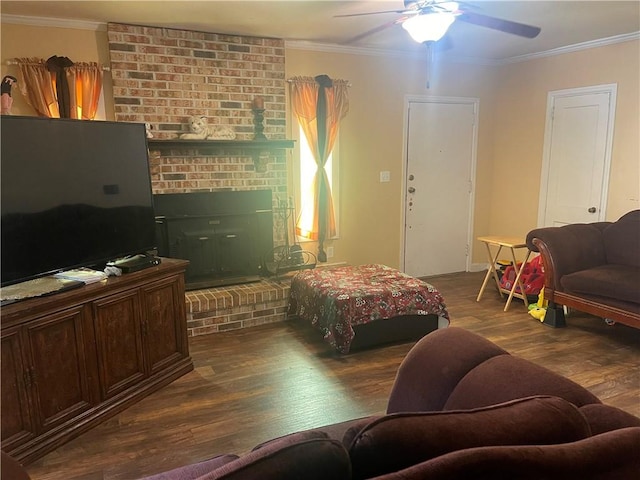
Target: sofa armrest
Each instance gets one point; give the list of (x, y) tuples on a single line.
[(568, 249)]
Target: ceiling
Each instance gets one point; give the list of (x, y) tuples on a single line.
[(563, 23)]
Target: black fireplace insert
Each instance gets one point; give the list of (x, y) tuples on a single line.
[(225, 235)]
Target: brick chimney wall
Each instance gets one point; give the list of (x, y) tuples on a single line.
[(162, 76)]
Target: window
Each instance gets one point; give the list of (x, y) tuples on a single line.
[(319, 102), (305, 173)]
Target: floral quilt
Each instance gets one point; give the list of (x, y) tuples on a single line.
[(335, 299)]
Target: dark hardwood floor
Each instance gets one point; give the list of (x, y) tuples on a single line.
[(255, 384)]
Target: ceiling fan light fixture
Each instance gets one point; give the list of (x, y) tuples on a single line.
[(428, 27)]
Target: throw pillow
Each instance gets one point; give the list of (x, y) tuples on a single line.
[(334, 431), (400, 440), (311, 455)]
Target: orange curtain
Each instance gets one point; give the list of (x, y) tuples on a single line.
[(319, 104), (304, 97), (38, 85), (85, 86)]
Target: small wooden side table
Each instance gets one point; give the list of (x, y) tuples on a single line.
[(512, 243)]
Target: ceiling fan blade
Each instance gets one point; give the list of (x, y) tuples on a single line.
[(377, 29), (369, 13), (507, 26)]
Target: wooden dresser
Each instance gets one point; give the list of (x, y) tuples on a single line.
[(73, 359)]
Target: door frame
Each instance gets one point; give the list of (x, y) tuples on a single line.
[(612, 90), (475, 102)]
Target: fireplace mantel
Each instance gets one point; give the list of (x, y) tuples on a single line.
[(262, 145), (256, 147)]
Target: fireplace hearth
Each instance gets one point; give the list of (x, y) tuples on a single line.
[(225, 235)]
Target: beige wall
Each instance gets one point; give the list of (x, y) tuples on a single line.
[(511, 130), (520, 124), (372, 141)]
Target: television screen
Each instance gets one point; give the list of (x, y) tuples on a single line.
[(73, 193)]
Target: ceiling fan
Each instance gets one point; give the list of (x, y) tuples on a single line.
[(428, 20)]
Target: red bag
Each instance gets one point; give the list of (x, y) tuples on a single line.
[(532, 277)]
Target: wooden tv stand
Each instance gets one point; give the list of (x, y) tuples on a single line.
[(73, 359)]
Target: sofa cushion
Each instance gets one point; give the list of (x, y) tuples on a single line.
[(505, 377), (399, 440), (310, 455), (610, 456), (194, 470), (615, 281), (334, 431), (622, 240)]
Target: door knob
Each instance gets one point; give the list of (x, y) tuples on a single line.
[(592, 210), (412, 190)]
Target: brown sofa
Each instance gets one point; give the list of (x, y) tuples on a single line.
[(591, 267), (460, 408)]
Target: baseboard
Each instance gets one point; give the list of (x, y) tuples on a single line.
[(478, 267)]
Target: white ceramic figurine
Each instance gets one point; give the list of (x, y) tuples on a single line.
[(201, 130)]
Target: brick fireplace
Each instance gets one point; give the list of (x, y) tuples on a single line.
[(221, 309), (163, 76)]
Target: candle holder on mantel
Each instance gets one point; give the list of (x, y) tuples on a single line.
[(258, 117), (258, 127)]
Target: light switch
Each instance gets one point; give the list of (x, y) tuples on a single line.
[(385, 176)]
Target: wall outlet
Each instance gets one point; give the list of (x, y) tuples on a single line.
[(385, 176), (329, 252)]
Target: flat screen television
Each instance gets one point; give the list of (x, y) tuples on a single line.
[(74, 193)]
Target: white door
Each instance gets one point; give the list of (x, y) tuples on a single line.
[(440, 166), (577, 148)]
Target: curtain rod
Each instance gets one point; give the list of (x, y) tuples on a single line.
[(15, 62), (310, 79)]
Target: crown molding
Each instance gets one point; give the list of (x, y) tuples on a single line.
[(54, 22), (626, 37)]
